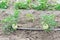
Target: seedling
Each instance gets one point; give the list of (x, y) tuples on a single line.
[(30, 17), (3, 4), (10, 23), (48, 22)]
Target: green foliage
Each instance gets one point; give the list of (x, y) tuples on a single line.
[(10, 23), (37, 4), (51, 7), (54, 6), (57, 6), (3, 4), (48, 22), (28, 1), (30, 17), (42, 5), (22, 5)]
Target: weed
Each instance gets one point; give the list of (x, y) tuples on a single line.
[(48, 22)]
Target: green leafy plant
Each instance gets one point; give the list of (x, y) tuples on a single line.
[(30, 17), (3, 4), (10, 23), (57, 7), (22, 5), (48, 22), (50, 6), (28, 4), (42, 5)]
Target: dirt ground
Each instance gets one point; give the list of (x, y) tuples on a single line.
[(25, 34), (30, 35)]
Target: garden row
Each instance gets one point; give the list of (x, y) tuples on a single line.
[(32, 4), (10, 23)]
